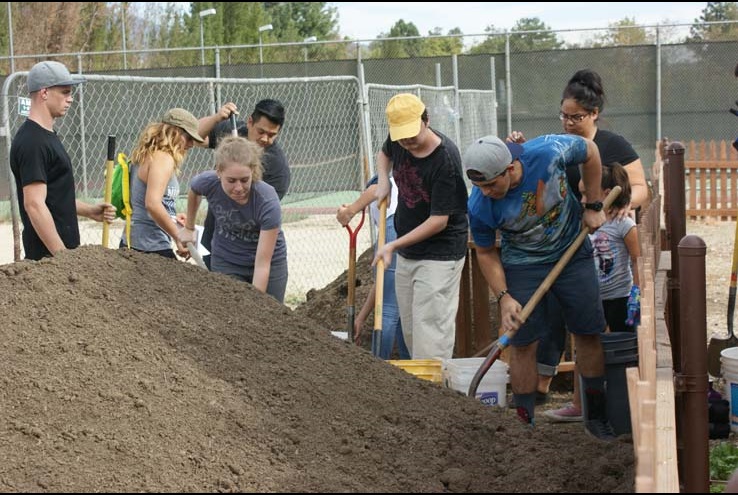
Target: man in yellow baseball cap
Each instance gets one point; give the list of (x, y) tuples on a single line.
[(431, 226)]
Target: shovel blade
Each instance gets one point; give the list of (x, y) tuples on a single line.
[(714, 348)]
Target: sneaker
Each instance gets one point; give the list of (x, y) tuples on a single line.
[(600, 429), (567, 414)]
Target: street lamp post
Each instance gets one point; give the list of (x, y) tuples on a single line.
[(265, 27), (305, 51), (10, 34), (123, 21), (203, 13)]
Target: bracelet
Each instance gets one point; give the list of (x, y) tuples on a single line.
[(501, 295)]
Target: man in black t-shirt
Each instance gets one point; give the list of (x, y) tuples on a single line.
[(431, 225), (43, 171)]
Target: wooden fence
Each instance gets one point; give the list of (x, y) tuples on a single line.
[(711, 174)]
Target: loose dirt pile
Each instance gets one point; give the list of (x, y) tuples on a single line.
[(128, 372)]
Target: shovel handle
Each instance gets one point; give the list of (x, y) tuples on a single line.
[(234, 129), (108, 193), (351, 298), (353, 233), (379, 281), (733, 280), (504, 340)]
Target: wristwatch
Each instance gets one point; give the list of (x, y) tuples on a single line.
[(596, 206)]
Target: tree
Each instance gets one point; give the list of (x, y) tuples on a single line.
[(621, 33), (716, 11), (398, 48), (296, 21), (439, 45), (532, 34)]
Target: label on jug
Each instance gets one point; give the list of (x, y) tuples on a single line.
[(489, 398)]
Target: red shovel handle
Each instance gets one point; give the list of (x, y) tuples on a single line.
[(352, 275), (354, 233)]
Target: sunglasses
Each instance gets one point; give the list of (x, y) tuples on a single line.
[(574, 119)]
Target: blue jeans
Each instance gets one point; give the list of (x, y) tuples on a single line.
[(391, 325)]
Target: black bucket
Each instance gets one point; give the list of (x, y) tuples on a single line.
[(621, 351)]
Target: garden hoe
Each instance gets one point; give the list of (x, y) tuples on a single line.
[(500, 344), (717, 345)]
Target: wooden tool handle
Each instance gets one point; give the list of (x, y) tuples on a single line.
[(108, 193)]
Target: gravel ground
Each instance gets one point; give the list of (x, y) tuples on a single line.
[(719, 238)]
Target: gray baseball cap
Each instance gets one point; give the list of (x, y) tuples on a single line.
[(184, 120), (49, 74), (488, 156)]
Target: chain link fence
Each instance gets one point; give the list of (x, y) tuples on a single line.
[(335, 101), (324, 138)]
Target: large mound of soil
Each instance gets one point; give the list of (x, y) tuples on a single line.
[(128, 372)]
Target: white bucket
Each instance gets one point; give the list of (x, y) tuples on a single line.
[(729, 367), (492, 390)]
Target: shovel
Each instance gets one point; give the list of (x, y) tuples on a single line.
[(196, 255), (500, 344), (717, 345), (108, 193), (379, 282), (351, 299), (234, 128)]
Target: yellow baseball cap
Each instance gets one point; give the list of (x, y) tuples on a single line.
[(403, 115)]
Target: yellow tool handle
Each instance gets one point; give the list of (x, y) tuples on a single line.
[(379, 279), (108, 194)]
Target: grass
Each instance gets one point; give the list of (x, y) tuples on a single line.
[(723, 462)]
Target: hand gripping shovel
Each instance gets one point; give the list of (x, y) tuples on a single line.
[(716, 345), (108, 193), (379, 282), (351, 299), (500, 344)]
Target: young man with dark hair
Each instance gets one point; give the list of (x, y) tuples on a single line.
[(262, 127)]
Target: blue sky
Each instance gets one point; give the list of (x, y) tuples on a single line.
[(366, 20)]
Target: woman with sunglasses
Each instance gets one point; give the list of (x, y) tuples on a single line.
[(581, 104)]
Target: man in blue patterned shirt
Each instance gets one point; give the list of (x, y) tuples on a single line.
[(522, 192)]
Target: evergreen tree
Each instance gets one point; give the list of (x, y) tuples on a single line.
[(398, 48), (716, 11), (521, 39)]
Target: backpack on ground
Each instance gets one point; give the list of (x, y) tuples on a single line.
[(121, 193)]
